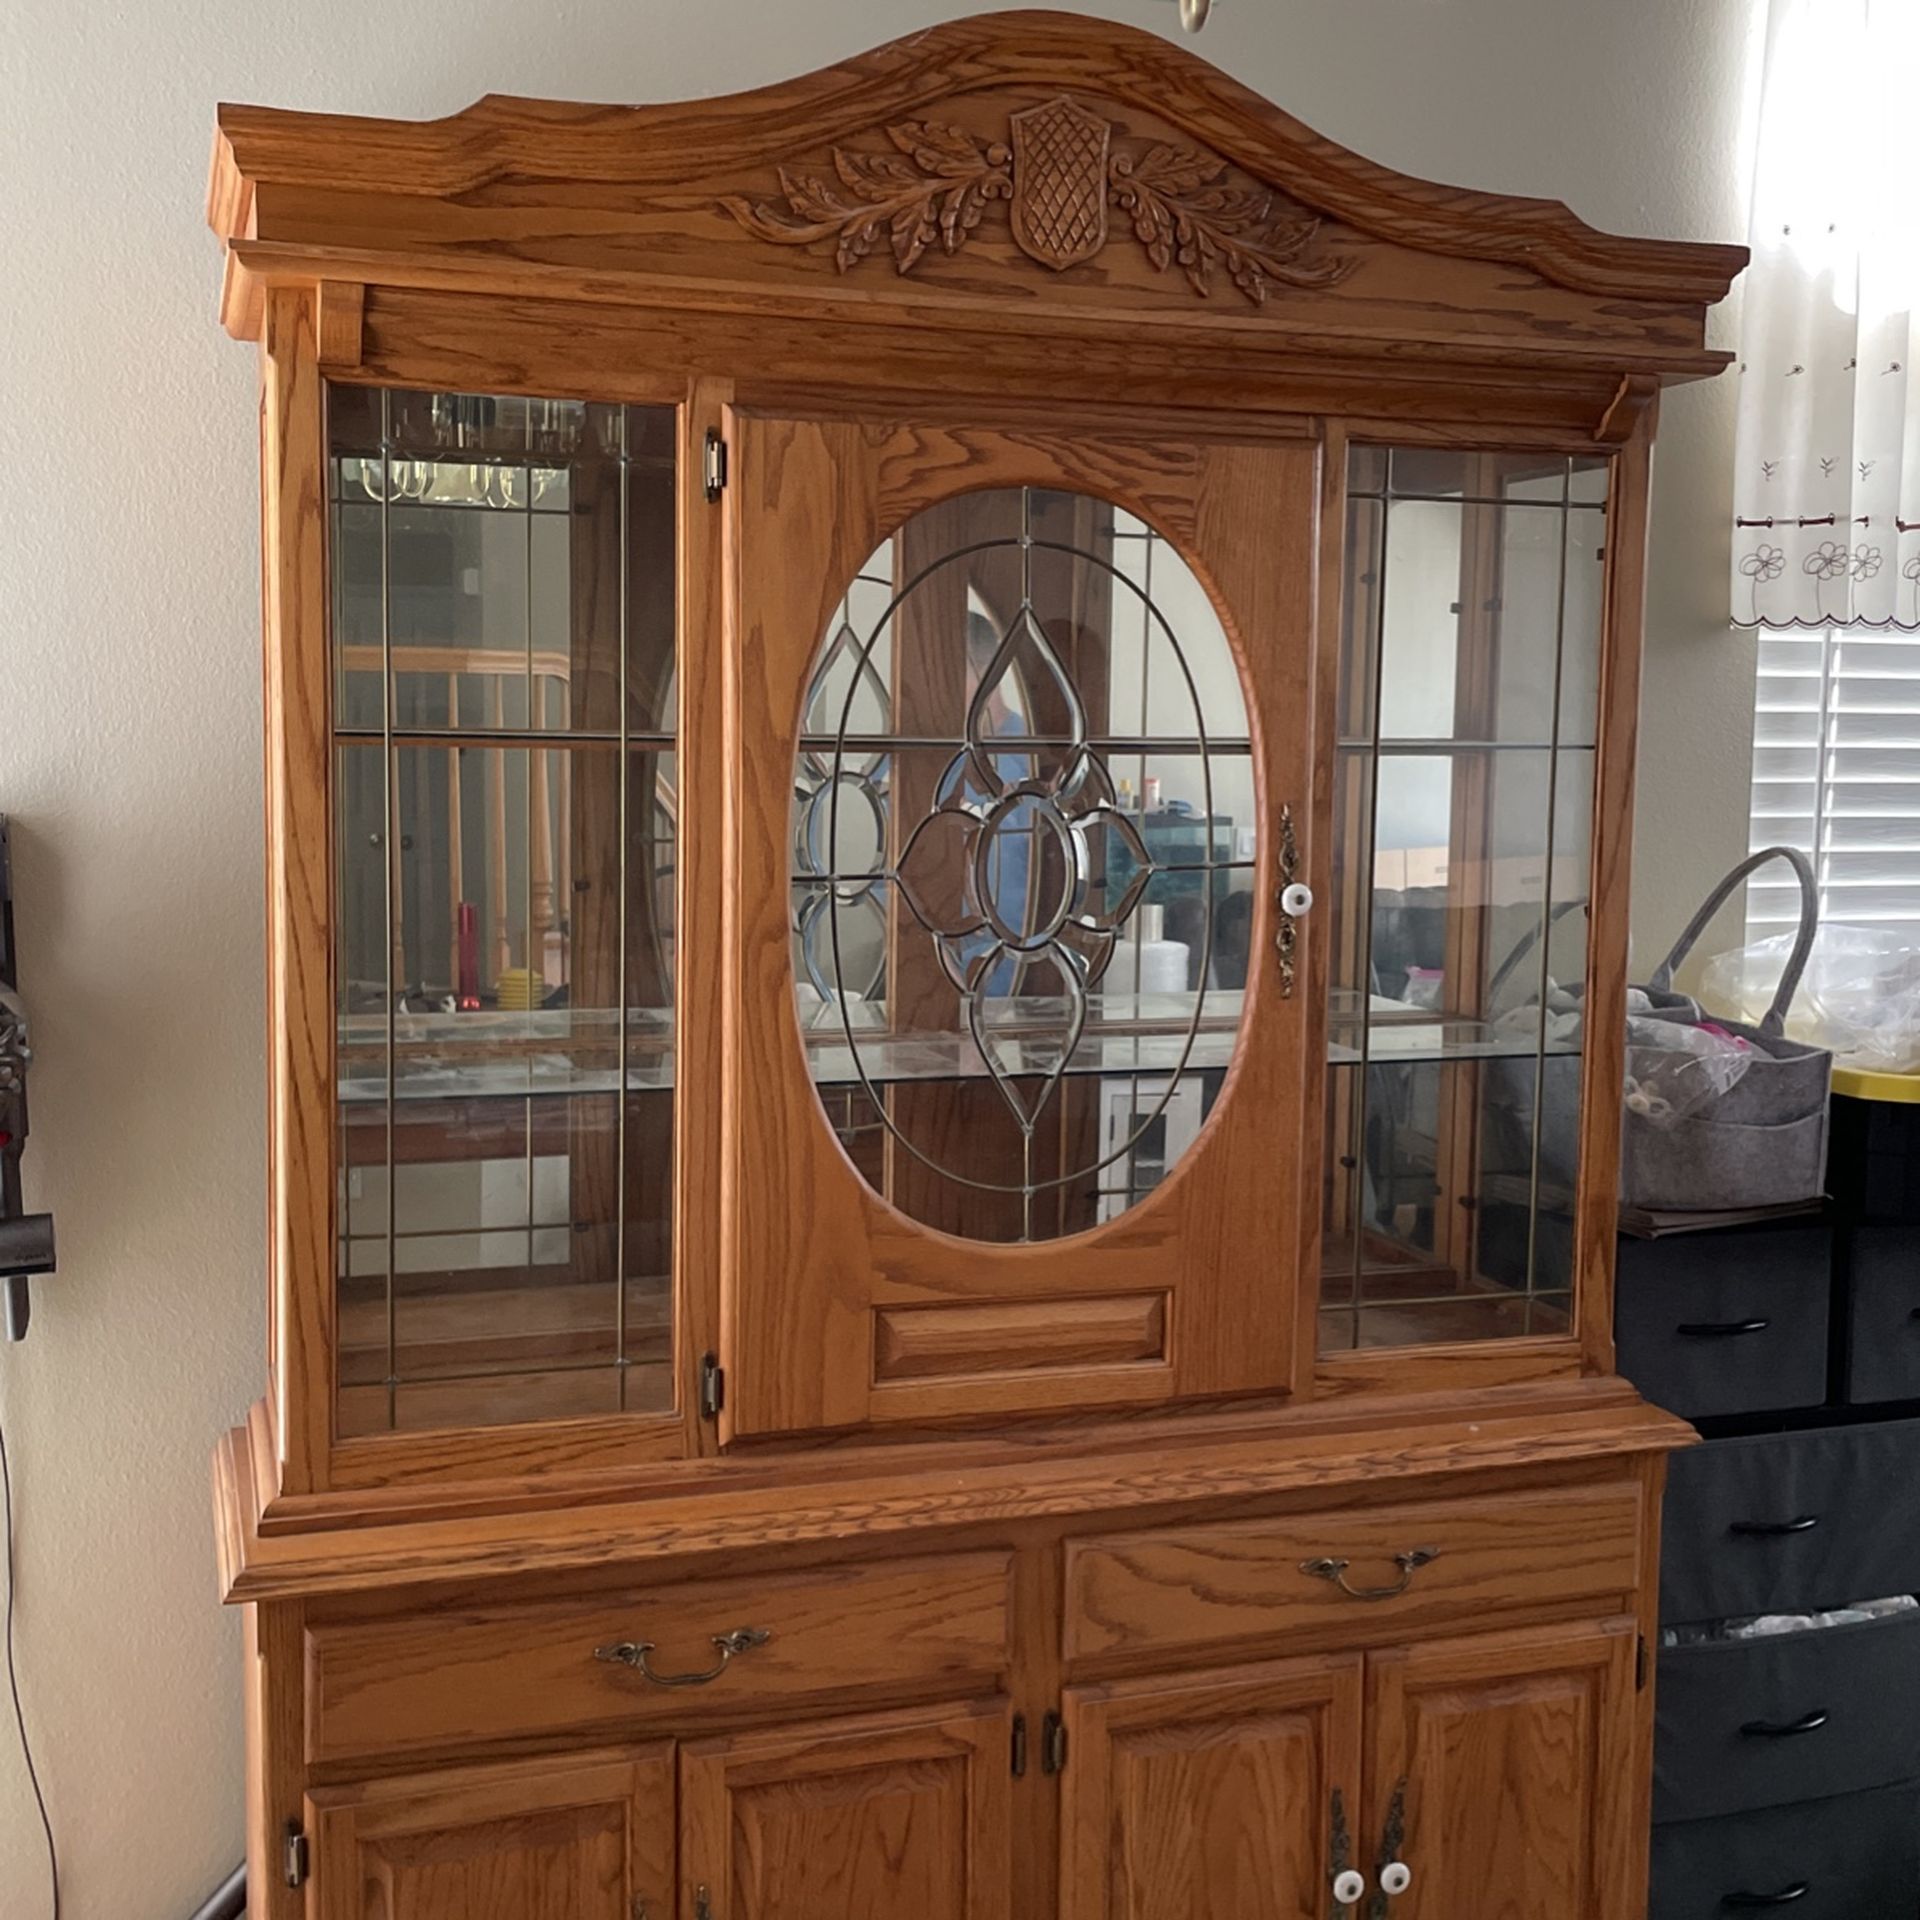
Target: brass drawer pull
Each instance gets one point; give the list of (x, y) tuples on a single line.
[(1335, 1571), (633, 1653)]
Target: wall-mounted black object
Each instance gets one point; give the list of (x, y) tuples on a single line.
[(26, 1239)]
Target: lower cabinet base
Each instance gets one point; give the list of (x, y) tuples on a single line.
[(1388, 1697), (1856, 1857)]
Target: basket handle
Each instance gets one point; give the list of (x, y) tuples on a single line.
[(1526, 944), (1775, 1023)]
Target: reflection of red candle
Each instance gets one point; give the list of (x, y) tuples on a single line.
[(469, 1000)]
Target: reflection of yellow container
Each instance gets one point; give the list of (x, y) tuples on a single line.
[(517, 990)]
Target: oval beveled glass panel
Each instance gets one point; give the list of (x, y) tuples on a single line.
[(1022, 860)]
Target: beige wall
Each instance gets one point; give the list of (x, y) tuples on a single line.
[(129, 724)]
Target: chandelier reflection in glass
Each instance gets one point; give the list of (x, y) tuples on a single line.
[(489, 450), (968, 867)]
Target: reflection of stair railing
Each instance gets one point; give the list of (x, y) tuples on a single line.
[(550, 849)]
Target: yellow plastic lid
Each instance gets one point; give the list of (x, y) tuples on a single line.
[(1859, 1084)]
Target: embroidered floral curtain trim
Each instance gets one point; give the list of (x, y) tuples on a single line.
[(1827, 476)]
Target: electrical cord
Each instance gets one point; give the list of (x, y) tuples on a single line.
[(13, 1674)]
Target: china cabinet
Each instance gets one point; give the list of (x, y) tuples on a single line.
[(948, 773)]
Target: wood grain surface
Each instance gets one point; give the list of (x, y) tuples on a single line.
[(443, 1679), (1211, 1796), (1243, 1584), (1517, 1750)]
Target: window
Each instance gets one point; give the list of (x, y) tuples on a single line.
[(1836, 771)]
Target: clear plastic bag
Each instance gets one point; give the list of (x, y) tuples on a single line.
[(1860, 995), (1675, 1070)]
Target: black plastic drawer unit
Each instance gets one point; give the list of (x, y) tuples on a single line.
[(1765, 1722), (1882, 1267), (1720, 1323), (1785, 1522), (1873, 1167), (1852, 1858)]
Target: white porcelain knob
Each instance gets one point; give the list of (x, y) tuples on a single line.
[(1395, 1877), (1296, 899), (1349, 1888)]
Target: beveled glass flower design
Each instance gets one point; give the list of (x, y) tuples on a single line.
[(1004, 872), (969, 875), (842, 810)]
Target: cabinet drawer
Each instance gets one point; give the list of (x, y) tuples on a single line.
[(1220, 1586), (1883, 1314), (1761, 1723), (1784, 1522), (503, 1673), (1856, 1857), (1716, 1323)]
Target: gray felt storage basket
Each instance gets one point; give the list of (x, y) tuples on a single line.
[(1764, 1141), (1761, 1143)]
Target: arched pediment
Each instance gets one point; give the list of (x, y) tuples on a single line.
[(1041, 162)]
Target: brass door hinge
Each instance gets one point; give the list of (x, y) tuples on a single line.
[(1053, 1744), (295, 1858), (1019, 1746), (713, 1386), (713, 464)]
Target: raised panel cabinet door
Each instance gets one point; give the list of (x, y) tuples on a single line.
[(1506, 1777), (893, 1817), (579, 1838), (1218, 1796), (1022, 729)]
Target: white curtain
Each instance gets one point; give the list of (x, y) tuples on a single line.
[(1827, 483)]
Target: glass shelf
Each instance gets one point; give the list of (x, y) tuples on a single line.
[(493, 1055), (476, 1055), (1419, 1037)]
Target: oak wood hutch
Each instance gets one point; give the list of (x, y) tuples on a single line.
[(949, 766)]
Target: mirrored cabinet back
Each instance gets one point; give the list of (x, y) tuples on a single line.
[(949, 769)]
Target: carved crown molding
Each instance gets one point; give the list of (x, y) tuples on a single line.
[(1219, 184), (1059, 171)]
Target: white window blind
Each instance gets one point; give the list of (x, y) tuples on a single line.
[(1836, 772)]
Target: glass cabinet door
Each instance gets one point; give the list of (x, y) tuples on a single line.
[(1019, 1054), (506, 816), (1463, 796)]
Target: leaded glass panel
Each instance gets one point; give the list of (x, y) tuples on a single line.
[(1022, 859)]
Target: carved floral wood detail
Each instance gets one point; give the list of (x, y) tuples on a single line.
[(1060, 171)]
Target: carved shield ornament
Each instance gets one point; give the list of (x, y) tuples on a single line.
[(1059, 170), (1059, 210)]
